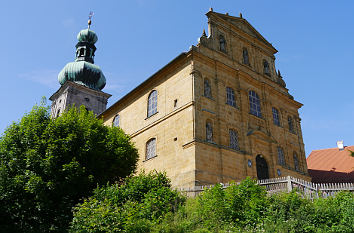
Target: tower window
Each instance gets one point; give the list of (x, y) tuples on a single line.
[(230, 97), (209, 132), (281, 158), (151, 148), (276, 119), (255, 105), (58, 112), (175, 103), (222, 43), (266, 68), (82, 52), (207, 88), (116, 121), (245, 56), (233, 140), (152, 103)]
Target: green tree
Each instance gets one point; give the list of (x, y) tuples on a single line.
[(48, 165)]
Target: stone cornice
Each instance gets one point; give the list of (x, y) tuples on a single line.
[(176, 62), (68, 84), (163, 118)]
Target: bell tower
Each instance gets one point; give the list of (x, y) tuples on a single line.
[(81, 81)]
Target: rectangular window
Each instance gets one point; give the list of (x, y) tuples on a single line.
[(230, 97), (255, 104), (281, 159), (276, 120), (233, 140)]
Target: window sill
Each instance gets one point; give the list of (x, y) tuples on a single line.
[(259, 117), (149, 159), (232, 106), (151, 115), (210, 142), (233, 149), (249, 65), (211, 98)]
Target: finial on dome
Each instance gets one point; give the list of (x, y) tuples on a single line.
[(211, 9), (204, 34), (240, 15), (89, 20)]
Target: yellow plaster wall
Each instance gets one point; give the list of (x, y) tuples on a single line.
[(172, 126)]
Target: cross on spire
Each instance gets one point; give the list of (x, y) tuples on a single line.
[(89, 20)]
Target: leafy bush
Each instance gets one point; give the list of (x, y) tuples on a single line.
[(48, 165), (135, 206), (247, 208)]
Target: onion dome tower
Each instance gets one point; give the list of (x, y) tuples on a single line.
[(81, 81)]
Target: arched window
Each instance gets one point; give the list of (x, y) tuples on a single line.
[(233, 139), (281, 158), (151, 148), (82, 52), (152, 103), (209, 132), (230, 96), (116, 121), (245, 56), (276, 119), (296, 162), (255, 104), (266, 68), (207, 88), (222, 43), (291, 124)]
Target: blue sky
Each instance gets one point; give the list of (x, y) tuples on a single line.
[(138, 37)]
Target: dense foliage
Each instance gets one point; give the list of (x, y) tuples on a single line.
[(51, 167), (146, 204), (135, 206), (48, 165)]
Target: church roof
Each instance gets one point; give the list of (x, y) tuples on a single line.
[(331, 165)]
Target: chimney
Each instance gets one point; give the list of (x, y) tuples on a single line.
[(340, 145)]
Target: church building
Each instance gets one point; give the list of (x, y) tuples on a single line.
[(217, 113)]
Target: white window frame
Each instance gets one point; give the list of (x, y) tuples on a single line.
[(150, 148), (152, 103)]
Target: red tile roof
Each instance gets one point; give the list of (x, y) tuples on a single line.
[(331, 165)]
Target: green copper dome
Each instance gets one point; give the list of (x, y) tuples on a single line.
[(87, 35), (84, 73), (83, 70)]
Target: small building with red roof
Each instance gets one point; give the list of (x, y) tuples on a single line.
[(333, 165)]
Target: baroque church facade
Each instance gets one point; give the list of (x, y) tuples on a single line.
[(217, 113)]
